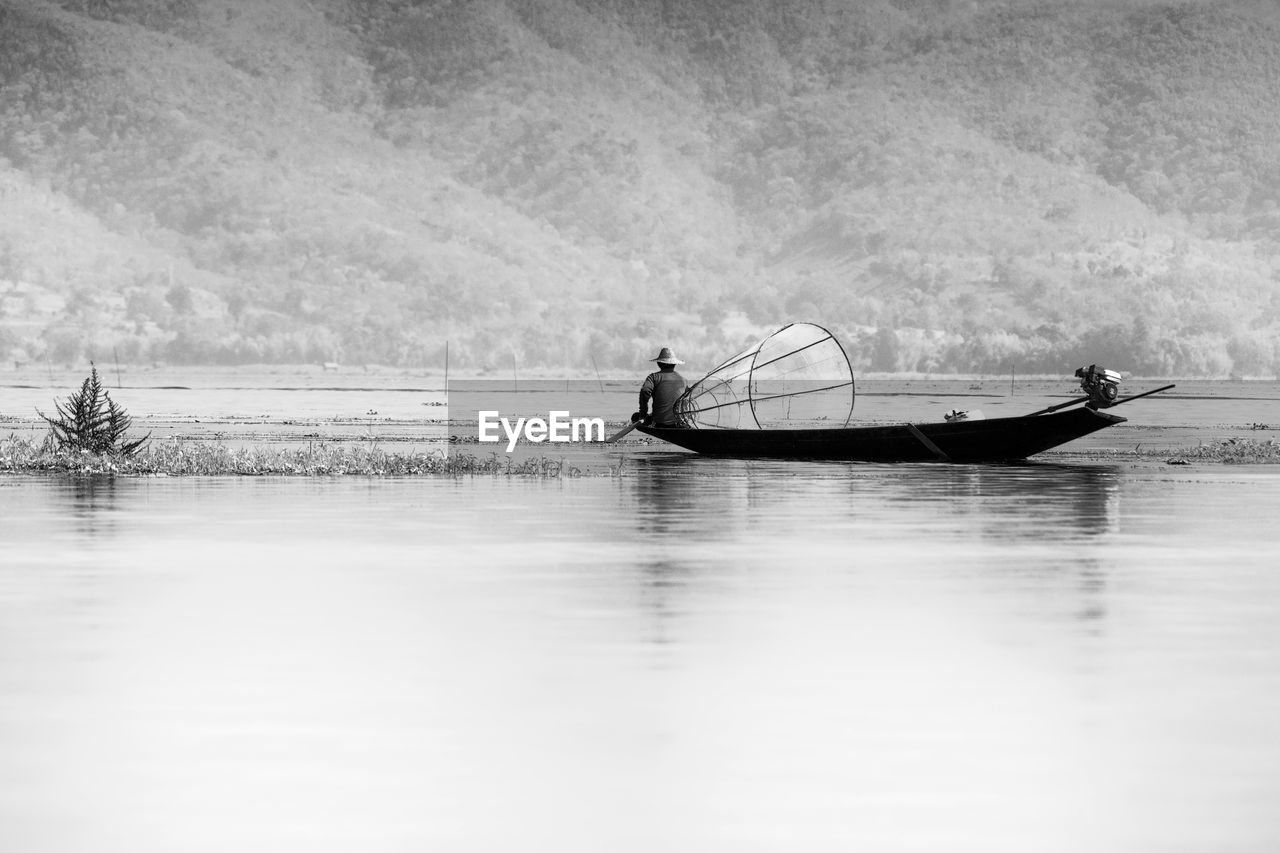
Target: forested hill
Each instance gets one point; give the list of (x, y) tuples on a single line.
[(950, 186)]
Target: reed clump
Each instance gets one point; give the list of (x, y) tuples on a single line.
[(1229, 451), (185, 459), (1242, 451)]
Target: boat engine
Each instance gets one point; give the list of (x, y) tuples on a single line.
[(1102, 386)]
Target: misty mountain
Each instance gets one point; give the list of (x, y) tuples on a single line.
[(949, 186)]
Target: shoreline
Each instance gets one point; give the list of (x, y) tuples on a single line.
[(273, 425), (215, 458)]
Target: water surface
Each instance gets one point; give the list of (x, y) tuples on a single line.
[(696, 655)]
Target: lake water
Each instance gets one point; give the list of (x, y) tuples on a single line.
[(406, 411), (696, 655)]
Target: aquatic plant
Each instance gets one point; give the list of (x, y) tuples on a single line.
[(90, 421), (1229, 451), (1236, 450), (180, 459), (175, 458)]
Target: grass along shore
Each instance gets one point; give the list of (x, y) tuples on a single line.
[(176, 458), (1230, 451), (185, 459)]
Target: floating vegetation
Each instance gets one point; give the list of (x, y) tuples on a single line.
[(177, 458), (184, 459), (1231, 451), (1235, 450)]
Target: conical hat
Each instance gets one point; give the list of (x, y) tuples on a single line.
[(665, 357)]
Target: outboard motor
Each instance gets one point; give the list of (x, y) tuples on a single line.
[(1102, 386)]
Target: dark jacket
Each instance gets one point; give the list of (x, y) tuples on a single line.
[(664, 387)]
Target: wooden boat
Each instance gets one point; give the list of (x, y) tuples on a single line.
[(767, 400), (991, 440)]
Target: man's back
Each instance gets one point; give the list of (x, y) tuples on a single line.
[(664, 387)]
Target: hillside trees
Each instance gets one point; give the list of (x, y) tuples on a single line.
[(40, 67), (953, 186), (1191, 104)]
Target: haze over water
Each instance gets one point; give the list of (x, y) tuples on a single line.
[(697, 655)]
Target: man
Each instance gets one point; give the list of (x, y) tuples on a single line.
[(663, 387)]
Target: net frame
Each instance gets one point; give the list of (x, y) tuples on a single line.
[(723, 396)]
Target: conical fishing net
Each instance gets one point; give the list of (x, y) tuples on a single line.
[(798, 377)]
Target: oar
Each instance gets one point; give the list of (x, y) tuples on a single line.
[(620, 433), (1059, 406), (1143, 394), (1115, 403)]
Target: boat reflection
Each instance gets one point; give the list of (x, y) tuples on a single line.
[(669, 498), (1036, 531), (678, 494), (1048, 501)]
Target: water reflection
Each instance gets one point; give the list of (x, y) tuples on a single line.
[(1011, 501), (710, 499), (1093, 588), (1036, 531), (669, 497), (1059, 518), (669, 504), (91, 504), (699, 655)]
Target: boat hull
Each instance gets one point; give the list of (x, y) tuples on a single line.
[(993, 440)]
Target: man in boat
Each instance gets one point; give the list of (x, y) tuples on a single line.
[(663, 387)]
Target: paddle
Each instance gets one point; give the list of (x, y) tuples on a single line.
[(1143, 394), (1115, 403), (620, 433), (1059, 406)]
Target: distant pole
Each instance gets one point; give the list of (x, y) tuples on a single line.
[(515, 376), (1013, 371), (446, 367), (115, 353), (597, 369)]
